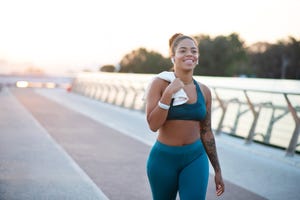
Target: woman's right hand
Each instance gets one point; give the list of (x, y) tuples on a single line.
[(174, 86)]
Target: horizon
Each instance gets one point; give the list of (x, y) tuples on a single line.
[(64, 36)]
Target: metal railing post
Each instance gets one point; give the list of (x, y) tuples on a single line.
[(223, 107), (251, 133), (293, 142)]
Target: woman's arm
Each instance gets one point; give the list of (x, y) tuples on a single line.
[(208, 140), (162, 91), (156, 116)]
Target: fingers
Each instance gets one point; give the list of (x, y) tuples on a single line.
[(178, 82), (176, 85), (219, 189)]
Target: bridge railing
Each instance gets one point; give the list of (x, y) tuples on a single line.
[(259, 110)]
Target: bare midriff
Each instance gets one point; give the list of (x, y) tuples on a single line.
[(179, 132)]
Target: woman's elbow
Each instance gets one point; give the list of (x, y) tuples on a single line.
[(207, 136), (153, 129), (152, 126)]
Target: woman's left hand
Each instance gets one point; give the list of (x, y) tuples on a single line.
[(219, 184)]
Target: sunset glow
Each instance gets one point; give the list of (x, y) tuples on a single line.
[(61, 36)]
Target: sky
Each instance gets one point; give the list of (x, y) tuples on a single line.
[(67, 36)]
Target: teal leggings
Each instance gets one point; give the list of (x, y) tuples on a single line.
[(182, 169)]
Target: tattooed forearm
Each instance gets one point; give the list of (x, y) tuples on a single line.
[(211, 151), (209, 142)]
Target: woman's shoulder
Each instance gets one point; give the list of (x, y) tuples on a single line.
[(205, 90), (157, 85), (159, 82), (203, 87)]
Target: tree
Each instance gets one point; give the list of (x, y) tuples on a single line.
[(144, 61), (107, 68), (257, 58), (280, 60), (221, 56), (226, 56), (292, 56)]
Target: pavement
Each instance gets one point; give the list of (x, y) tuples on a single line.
[(60, 145)]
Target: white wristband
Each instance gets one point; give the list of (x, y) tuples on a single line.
[(163, 106)]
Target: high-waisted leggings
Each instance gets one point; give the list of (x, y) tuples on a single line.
[(182, 169)]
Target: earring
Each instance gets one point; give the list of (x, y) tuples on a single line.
[(197, 62), (172, 60)]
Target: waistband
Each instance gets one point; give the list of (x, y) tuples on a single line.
[(179, 149)]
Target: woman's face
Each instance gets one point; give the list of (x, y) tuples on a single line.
[(186, 54)]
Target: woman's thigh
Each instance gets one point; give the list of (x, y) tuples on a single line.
[(193, 179), (162, 176)]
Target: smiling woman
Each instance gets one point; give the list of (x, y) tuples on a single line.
[(179, 108), (76, 34)]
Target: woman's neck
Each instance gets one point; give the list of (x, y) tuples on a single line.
[(185, 77)]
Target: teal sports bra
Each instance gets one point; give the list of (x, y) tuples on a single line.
[(194, 111)]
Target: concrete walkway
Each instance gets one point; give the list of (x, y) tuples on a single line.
[(91, 141), (32, 165)]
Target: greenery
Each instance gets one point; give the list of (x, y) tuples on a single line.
[(143, 61), (221, 56), (108, 68), (224, 56)]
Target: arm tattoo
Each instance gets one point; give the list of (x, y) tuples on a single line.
[(211, 151), (206, 124), (209, 142)]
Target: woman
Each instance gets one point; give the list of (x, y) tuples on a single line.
[(178, 160)]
